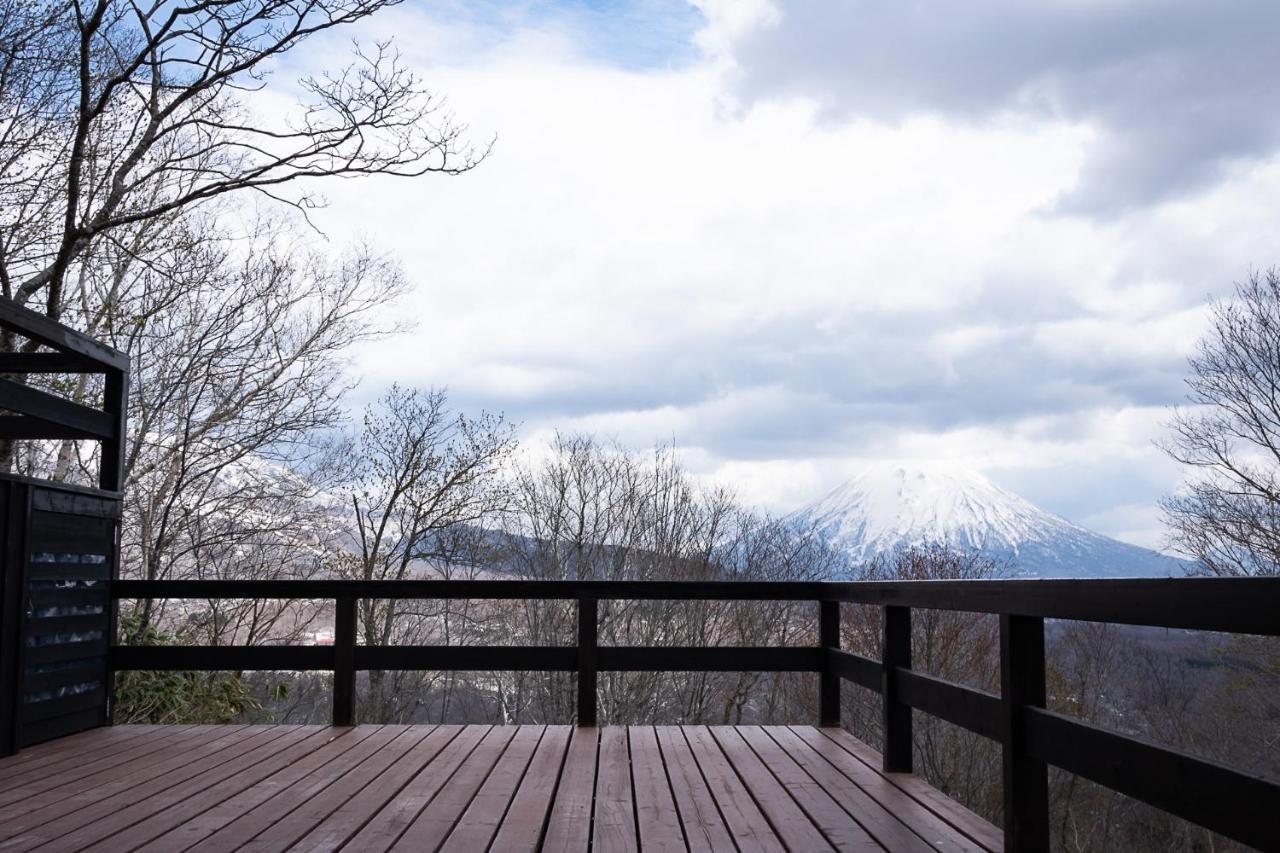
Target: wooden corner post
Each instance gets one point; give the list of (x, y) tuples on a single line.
[(897, 714), (829, 679), (587, 661), (1026, 779), (344, 661)]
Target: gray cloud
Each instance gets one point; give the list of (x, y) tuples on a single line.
[(1178, 89)]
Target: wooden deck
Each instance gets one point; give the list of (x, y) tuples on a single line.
[(505, 788)]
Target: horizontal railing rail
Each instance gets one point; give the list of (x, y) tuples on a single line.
[(1225, 800)]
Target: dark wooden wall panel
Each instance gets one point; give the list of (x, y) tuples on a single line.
[(59, 557)]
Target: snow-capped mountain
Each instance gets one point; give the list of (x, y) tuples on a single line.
[(889, 507)]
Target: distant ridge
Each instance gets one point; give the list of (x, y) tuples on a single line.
[(890, 507)]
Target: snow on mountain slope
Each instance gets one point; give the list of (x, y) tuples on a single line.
[(889, 507)]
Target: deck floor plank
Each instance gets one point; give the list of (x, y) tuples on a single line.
[(190, 809), (335, 830), (657, 818), (78, 828), (76, 773), (111, 819), (952, 812), (386, 827), (569, 827), (933, 829), (78, 796), (520, 788), (888, 830), (788, 819), (614, 821), (213, 819), (476, 828), (83, 749), (526, 818), (838, 825), (749, 826), (704, 826), (434, 823), (283, 833), (278, 808)]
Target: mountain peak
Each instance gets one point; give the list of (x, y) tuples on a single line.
[(892, 505)]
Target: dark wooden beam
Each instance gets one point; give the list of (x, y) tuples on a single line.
[(1233, 605), (1238, 805), (115, 402), (468, 658), (970, 709), (708, 659), (24, 400), (860, 670), (48, 362), (26, 427), (42, 329), (222, 658)]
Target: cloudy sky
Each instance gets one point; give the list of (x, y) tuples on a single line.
[(799, 235)]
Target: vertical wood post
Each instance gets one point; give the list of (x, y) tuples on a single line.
[(897, 715), (829, 680), (14, 515), (344, 661), (1026, 779), (587, 661), (115, 401)]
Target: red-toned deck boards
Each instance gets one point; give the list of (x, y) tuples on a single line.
[(743, 818), (657, 819), (337, 828), (569, 826), (218, 816), (247, 826), (789, 821), (17, 818), (704, 827), (386, 827), (287, 829), (614, 822), (307, 742), (214, 770), (476, 828), (434, 823), (840, 828), (73, 751), (526, 817), (76, 773), (934, 830), (522, 788), (953, 813)]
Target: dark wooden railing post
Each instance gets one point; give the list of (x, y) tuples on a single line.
[(344, 661), (829, 679), (587, 662), (897, 714), (1026, 779)]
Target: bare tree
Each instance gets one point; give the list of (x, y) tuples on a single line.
[(117, 112), (424, 481), (1228, 516), (594, 510), (238, 349)]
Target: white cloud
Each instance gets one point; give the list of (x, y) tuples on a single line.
[(788, 295)]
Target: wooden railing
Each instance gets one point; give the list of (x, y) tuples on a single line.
[(1225, 800)]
